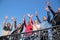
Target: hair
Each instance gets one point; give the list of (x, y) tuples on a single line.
[(8, 23), (20, 23)]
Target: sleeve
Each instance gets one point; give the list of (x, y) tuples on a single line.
[(11, 27), (48, 16), (25, 23), (4, 23), (51, 10), (38, 19), (22, 27), (15, 24)]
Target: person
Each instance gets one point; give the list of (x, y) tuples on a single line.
[(55, 21), (36, 27), (29, 27), (17, 29), (7, 28), (46, 20), (56, 15), (44, 24), (49, 31)]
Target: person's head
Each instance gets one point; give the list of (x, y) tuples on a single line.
[(44, 18), (19, 25), (9, 25), (36, 21), (58, 10)]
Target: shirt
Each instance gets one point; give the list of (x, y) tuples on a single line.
[(45, 24), (36, 27)]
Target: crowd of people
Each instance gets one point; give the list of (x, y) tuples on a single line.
[(32, 25)]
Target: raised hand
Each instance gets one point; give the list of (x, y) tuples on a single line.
[(36, 13), (13, 19), (23, 20), (46, 9), (28, 15), (47, 3), (6, 17)]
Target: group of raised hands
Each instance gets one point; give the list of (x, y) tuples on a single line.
[(30, 16), (13, 19)]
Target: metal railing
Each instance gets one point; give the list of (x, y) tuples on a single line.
[(52, 33)]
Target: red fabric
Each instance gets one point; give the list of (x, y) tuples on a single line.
[(28, 28)]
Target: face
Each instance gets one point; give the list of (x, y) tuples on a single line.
[(44, 18), (19, 25), (58, 10), (36, 22), (9, 24)]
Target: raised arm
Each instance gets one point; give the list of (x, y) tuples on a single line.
[(50, 8), (48, 14), (4, 22), (24, 21), (22, 27), (30, 19), (14, 20), (48, 18), (11, 27), (37, 17)]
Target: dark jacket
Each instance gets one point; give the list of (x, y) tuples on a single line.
[(15, 24), (56, 17)]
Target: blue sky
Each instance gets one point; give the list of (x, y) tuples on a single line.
[(17, 8)]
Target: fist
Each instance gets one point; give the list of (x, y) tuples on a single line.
[(6, 17)]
